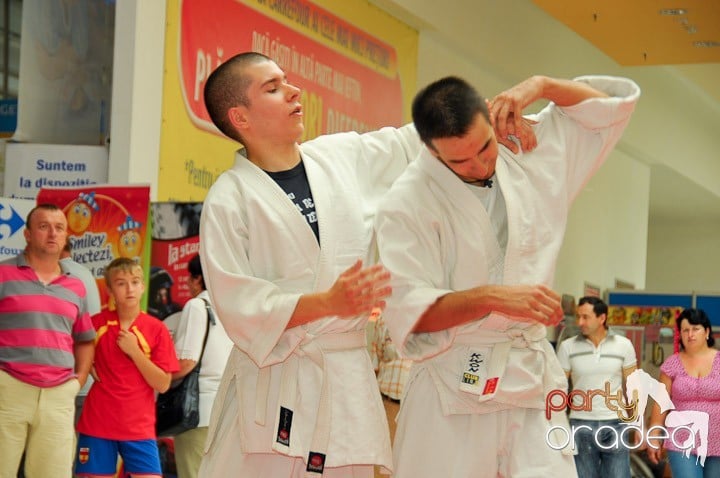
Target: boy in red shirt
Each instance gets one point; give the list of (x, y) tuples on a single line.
[(134, 357)]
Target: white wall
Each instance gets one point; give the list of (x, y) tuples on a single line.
[(684, 256), (607, 229)]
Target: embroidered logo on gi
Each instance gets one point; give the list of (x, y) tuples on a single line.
[(470, 378), (84, 455), (490, 385), (284, 426), (316, 462)]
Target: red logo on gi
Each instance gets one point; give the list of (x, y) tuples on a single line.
[(316, 460), (490, 385), (84, 455), (284, 434)]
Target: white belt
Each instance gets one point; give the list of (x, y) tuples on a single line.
[(532, 338)]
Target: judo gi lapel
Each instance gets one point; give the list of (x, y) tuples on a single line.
[(320, 186), (277, 201), (464, 204), (524, 211)]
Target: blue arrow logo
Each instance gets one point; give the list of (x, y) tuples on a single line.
[(15, 222)]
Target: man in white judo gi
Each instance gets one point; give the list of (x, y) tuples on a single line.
[(285, 237), (470, 233)]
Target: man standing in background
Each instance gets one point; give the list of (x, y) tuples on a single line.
[(591, 359), (46, 351)]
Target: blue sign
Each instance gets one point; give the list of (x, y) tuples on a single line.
[(8, 115)]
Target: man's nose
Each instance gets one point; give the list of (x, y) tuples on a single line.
[(293, 91)]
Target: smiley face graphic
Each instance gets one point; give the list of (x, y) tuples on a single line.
[(130, 244), (79, 216)]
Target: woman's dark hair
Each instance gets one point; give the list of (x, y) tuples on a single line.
[(696, 317)]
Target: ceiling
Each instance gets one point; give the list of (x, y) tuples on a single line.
[(635, 33)]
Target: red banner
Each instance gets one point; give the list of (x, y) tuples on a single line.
[(349, 78), (104, 222)]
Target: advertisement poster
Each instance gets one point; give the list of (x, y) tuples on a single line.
[(13, 213), (355, 65), (634, 315), (66, 59), (29, 167), (104, 222), (175, 240)]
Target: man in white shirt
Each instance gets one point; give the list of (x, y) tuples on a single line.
[(591, 360)]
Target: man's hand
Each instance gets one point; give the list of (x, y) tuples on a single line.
[(358, 290), (525, 137), (527, 303), (506, 112), (655, 454), (523, 303)]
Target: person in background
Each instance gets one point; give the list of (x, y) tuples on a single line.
[(93, 304), (189, 335), (471, 233), (134, 358), (392, 370), (692, 378), (46, 352), (591, 359)]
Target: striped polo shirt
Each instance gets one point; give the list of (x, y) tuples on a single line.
[(590, 367), (39, 324)]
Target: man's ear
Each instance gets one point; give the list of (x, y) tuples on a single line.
[(237, 117)]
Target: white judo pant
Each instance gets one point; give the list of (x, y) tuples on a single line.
[(506, 444)]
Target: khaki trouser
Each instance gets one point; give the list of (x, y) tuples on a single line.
[(38, 421), (189, 447)]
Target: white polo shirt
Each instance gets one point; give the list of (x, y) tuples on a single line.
[(591, 367)]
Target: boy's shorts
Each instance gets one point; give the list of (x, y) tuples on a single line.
[(99, 456)]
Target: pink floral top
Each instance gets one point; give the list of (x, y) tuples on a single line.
[(696, 394)]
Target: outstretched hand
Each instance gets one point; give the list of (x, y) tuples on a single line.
[(359, 290)]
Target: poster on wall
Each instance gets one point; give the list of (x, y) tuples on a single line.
[(29, 167), (66, 58), (175, 240), (104, 222), (635, 315), (13, 213), (355, 65)]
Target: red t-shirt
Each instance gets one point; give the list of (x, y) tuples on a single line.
[(121, 405)]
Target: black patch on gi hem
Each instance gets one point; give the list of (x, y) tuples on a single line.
[(316, 462), (284, 426)]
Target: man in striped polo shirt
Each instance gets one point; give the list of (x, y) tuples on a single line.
[(46, 351), (598, 360)]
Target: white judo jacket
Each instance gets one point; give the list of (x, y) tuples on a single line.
[(310, 388), (435, 237)]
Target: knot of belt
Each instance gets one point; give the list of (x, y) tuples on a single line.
[(531, 337)]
